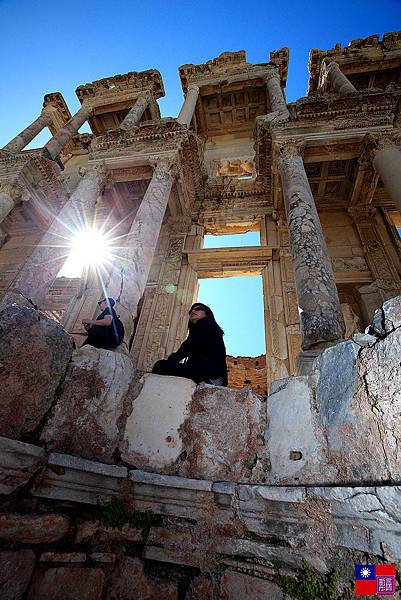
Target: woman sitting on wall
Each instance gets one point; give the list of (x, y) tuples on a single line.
[(203, 351), (107, 331)]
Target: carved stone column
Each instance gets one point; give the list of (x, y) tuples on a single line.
[(10, 194), (275, 92), (134, 116), (188, 108), (41, 268), (386, 158), (6, 204), (139, 247), (339, 81), (321, 317), (27, 135), (64, 135)]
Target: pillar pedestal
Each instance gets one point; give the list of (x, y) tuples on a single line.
[(320, 314)]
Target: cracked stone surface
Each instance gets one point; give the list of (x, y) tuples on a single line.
[(34, 354), (223, 435), (87, 417), (342, 424)]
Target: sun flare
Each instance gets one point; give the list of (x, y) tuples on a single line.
[(90, 247)]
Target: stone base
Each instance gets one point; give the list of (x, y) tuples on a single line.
[(304, 362)]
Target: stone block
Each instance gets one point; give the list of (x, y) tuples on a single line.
[(325, 429), (201, 588), (223, 435), (392, 314), (103, 557), (170, 495), (67, 583), (86, 419), (152, 440), (79, 480), (336, 378), (294, 439), (16, 570), (95, 532), (63, 557), (129, 582), (34, 354), (238, 586), (33, 529), (18, 462)]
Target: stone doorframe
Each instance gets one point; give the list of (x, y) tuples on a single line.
[(247, 261)]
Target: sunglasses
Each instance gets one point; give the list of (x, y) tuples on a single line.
[(195, 308)]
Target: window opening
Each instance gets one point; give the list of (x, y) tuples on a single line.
[(232, 240), (237, 303)]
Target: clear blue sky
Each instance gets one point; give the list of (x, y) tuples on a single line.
[(48, 46)]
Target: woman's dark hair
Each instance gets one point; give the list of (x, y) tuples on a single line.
[(209, 314)]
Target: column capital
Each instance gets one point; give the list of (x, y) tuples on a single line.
[(375, 142), (330, 65), (362, 212), (164, 165), (192, 87), (290, 147), (272, 73)]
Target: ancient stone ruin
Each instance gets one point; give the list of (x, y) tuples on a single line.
[(119, 484)]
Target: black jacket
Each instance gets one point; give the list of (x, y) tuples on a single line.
[(204, 351)]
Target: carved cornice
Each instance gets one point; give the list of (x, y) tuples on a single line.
[(357, 51), (362, 109), (56, 100), (112, 87), (280, 59), (229, 66), (29, 176)]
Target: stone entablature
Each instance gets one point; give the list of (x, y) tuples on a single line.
[(111, 89), (364, 60)]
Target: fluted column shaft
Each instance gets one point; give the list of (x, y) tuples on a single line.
[(340, 82), (139, 247), (134, 116), (64, 135), (188, 108), (276, 96), (29, 133), (41, 268), (319, 306), (387, 163)]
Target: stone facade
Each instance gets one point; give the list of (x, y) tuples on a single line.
[(116, 483), (318, 178)]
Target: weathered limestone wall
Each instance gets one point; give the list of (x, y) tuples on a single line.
[(221, 149), (247, 371), (183, 488)]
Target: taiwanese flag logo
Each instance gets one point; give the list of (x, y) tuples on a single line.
[(365, 580), (373, 580)]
